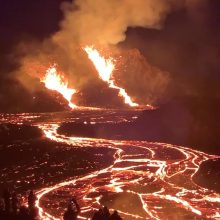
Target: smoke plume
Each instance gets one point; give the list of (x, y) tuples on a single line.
[(105, 22), (102, 24)]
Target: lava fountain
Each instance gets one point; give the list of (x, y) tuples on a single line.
[(105, 68), (55, 81)]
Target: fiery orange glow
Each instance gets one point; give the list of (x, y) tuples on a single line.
[(105, 68), (56, 82), (142, 168)]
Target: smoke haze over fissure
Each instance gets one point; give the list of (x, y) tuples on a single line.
[(171, 46)]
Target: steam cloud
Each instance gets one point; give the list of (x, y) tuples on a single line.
[(102, 24), (105, 22)]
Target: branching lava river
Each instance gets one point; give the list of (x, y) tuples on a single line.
[(145, 181)]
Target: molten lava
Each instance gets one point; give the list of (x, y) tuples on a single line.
[(105, 68), (56, 82), (160, 184)]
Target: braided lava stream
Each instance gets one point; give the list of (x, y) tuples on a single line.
[(144, 182)]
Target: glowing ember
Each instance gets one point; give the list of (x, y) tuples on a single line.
[(56, 82), (105, 68)]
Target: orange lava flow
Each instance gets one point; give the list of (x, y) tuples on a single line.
[(105, 68), (162, 186), (55, 81)]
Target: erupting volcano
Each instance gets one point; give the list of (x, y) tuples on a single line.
[(78, 126), (105, 68), (55, 81)]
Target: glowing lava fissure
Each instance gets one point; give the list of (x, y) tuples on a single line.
[(55, 81), (105, 69), (136, 166)]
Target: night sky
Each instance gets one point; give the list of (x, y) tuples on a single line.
[(188, 47)]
